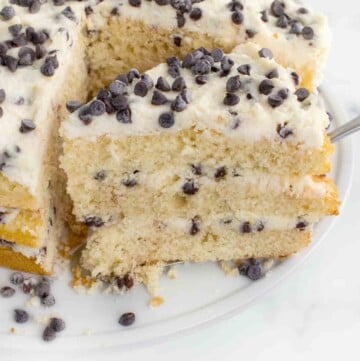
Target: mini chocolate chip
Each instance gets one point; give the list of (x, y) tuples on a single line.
[(265, 53), (129, 282), (17, 278), (49, 334), (266, 87), (7, 13), (10, 62), (147, 80), (302, 94), (195, 226), (39, 38), (307, 33), (231, 99), (201, 79), (264, 16), (178, 104), (68, 13), (196, 169), (162, 2), (27, 126), (127, 319), (3, 48), (43, 289), (217, 54), (246, 227), (19, 40), (201, 67), (177, 40), (295, 28), (226, 63), (20, 316), (123, 78), (180, 18), (275, 100), (85, 116), (189, 61), (7, 292), (2, 95), (220, 173), (73, 105), (282, 22), (26, 56), (237, 17), (254, 272), (233, 84), (283, 131), (190, 188), (283, 93), (88, 10), (57, 324), (47, 69), (133, 74), (166, 120), (272, 74), (162, 84), (124, 116), (97, 107), (235, 5), (301, 226), (1, 114), (40, 51), (302, 11), (250, 33), (186, 95), (181, 5), (119, 102), (15, 29), (195, 14), (34, 7), (244, 69), (129, 183), (173, 66), (277, 8), (178, 84), (93, 221), (158, 98), (117, 87), (100, 176), (295, 77), (141, 88)]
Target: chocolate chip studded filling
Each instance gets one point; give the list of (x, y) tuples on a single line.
[(190, 188)]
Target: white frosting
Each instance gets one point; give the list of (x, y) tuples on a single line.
[(206, 111), (39, 92)]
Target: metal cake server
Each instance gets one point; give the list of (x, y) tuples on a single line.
[(345, 130)]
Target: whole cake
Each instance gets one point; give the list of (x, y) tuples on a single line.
[(217, 153)]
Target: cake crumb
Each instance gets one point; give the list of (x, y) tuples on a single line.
[(156, 301), (172, 273), (12, 330), (79, 280), (230, 268), (33, 302)]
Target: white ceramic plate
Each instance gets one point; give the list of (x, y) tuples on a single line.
[(199, 296)]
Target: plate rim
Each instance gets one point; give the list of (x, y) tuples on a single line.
[(220, 310)]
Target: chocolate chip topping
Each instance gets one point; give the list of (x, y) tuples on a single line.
[(178, 84), (217, 54), (20, 316), (201, 79), (7, 292), (57, 324), (73, 105), (141, 88), (117, 87), (272, 74), (265, 53), (158, 98), (195, 14), (283, 130), (48, 334), (244, 69), (301, 226), (68, 13), (162, 84), (237, 17), (302, 94), (178, 104), (246, 227), (166, 120), (196, 169), (295, 77), (264, 16), (277, 8), (308, 33), (231, 99), (195, 226), (2, 95), (93, 221), (97, 107), (275, 100), (283, 93), (27, 126), (124, 116), (266, 87), (7, 13), (119, 102), (220, 173), (177, 40), (233, 84)]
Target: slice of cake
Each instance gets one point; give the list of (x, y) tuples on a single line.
[(215, 157)]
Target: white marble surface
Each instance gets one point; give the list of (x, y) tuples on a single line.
[(314, 314)]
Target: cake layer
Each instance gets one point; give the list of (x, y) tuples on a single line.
[(153, 33), (112, 194), (115, 251)]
